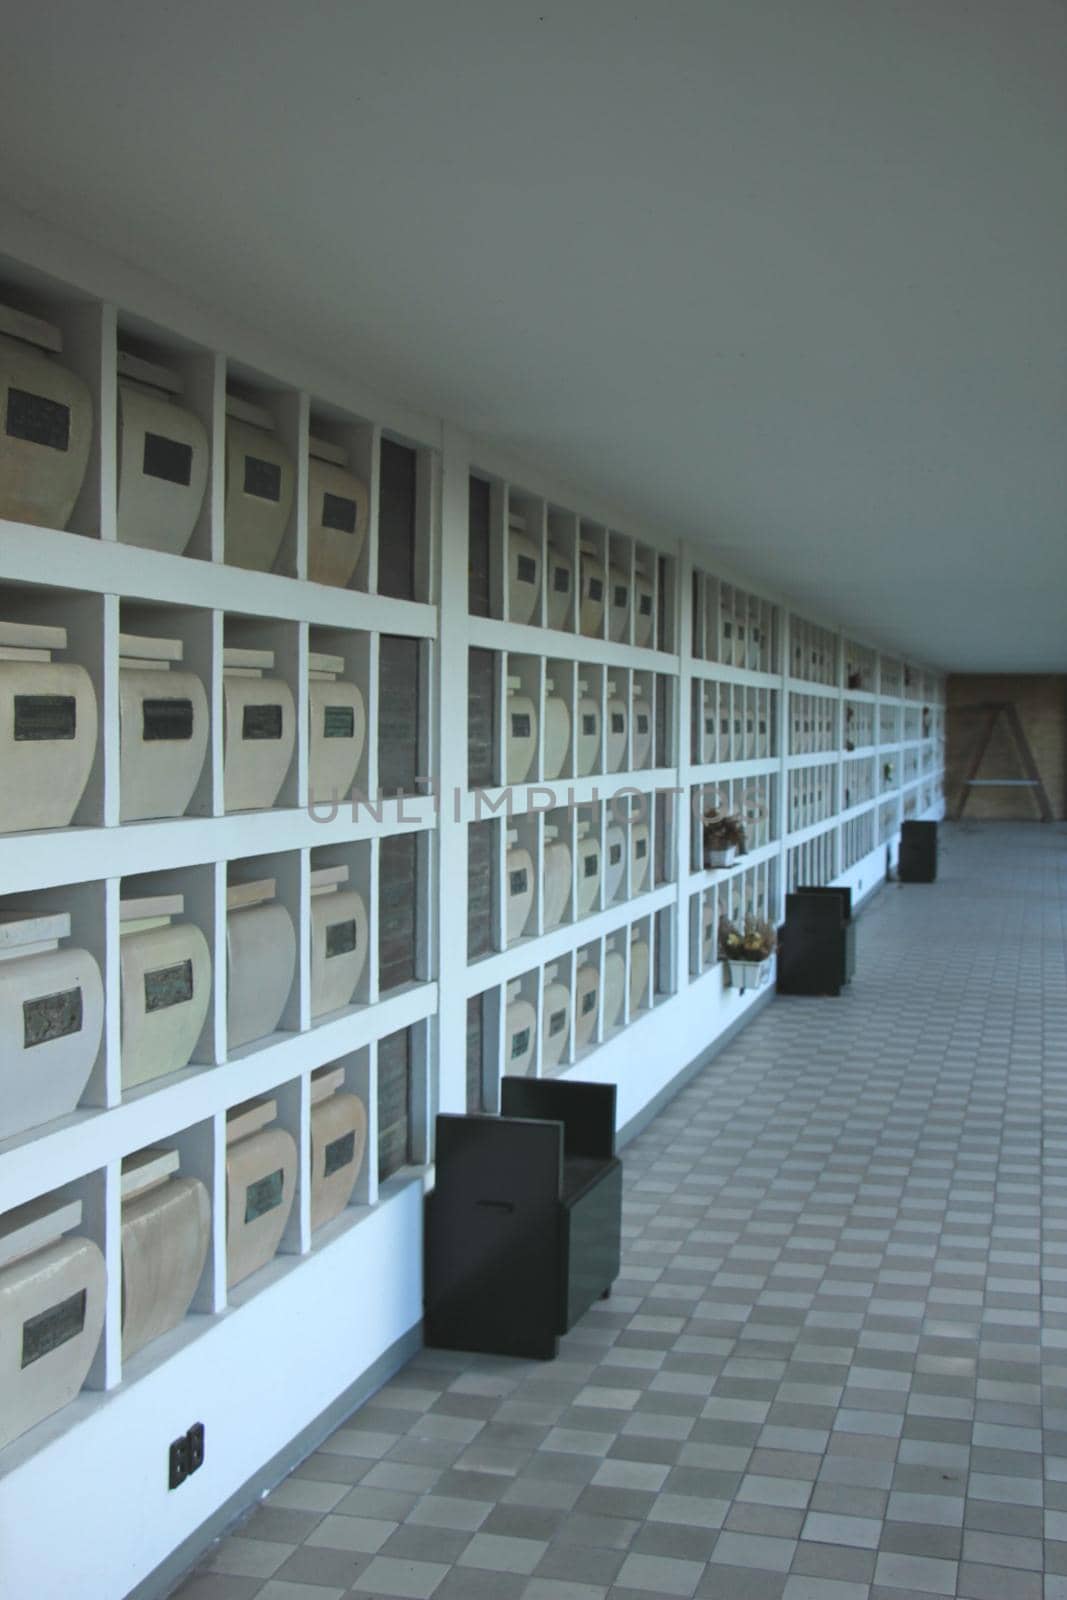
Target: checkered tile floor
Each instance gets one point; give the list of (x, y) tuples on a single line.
[(835, 1365)]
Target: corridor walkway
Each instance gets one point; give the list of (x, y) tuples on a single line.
[(835, 1365)]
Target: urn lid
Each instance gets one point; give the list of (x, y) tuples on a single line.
[(249, 1117), (516, 522), (514, 990), (31, 330), (320, 661), (253, 893), (247, 411), (149, 374), (25, 931), (144, 1169), (143, 650), (325, 880), (138, 913), (323, 450), (30, 641), (240, 659), (325, 1082), (38, 1223)]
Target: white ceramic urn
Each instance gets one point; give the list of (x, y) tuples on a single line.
[(259, 730), (619, 604), (586, 1003), (340, 937), (617, 729), (166, 1229), (524, 571), (640, 847), (521, 732), (51, 1019), (560, 586), (337, 730), (520, 1032), (614, 861), (163, 729), (639, 964), (261, 1169), (555, 1019), (165, 971), (338, 515), (557, 887), (47, 413), (260, 961), (589, 869), (259, 488), (518, 887), (643, 613), (641, 718), (47, 729), (163, 458), (338, 1144), (614, 987), (591, 585), (557, 731), (52, 1292), (588, 754)]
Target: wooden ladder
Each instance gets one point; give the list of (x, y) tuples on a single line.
[(994, 709)]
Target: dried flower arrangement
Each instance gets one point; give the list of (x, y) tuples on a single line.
[(723, 831), (755, 941)]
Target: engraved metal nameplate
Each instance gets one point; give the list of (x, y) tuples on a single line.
[(49, 1329), (640, 847), (339, 1153), (645, 605), (588, 1002), (169, 459), (615, 854), (261, 722), (561, 580), (520, 1043), (341, 938), (51, 1016), (590, 866), (45, 716), (37, 419), (526, 569), (170, 720), (339, 722), (588, 723), (642, 724), (709, 724), (620, 595), (518, 881), (339, 513), (520, 725), (266, 1194), (557, 1022), (596, 589), (168, 986), (263, 479), (618, 722)]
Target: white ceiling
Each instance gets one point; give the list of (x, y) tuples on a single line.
[(787, 278)]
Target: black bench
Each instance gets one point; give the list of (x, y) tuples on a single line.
[(524, 1225)]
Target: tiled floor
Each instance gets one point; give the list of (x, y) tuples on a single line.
[(835, 1366)]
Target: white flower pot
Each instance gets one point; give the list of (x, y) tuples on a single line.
[(750, 974), (721, 858)]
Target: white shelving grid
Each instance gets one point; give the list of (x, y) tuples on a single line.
[(549, 718)]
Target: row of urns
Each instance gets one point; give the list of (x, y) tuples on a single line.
[(522, 732), (52, 998), (593, 991), (53, 1288), (163, 459), (49, 731), (594, 863), (600, 589)]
